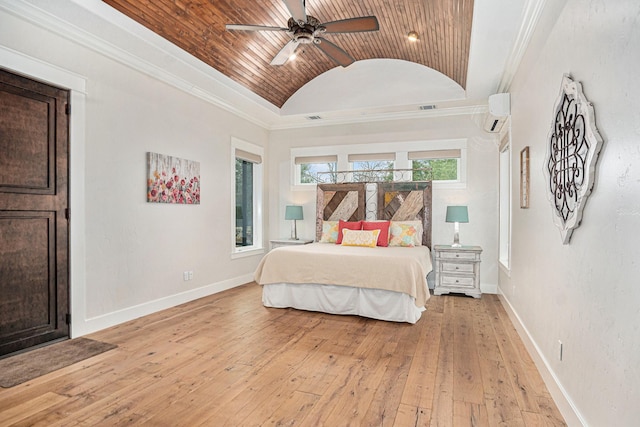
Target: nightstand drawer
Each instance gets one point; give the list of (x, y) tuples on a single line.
[(469, 256), (457, 270), (453, 267), (458, 281)]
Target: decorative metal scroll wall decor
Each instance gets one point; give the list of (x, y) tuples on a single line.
[(572, 153)]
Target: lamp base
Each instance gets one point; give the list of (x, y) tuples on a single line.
[(456, 236), (294, 231)]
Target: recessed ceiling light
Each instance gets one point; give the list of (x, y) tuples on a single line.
[(293, 56), (412, 36)]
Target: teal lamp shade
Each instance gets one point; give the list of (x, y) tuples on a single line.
[(457, 214), (294, 213)]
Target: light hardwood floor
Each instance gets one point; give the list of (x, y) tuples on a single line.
[(225, 360)]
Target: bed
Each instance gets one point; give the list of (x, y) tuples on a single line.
[(385, 283)]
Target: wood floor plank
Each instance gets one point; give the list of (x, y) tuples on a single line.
[(517, 368), (467, 382), (421, 382), (470, 414), (227, 360), (412, 416), (19, 412), (442, 407)]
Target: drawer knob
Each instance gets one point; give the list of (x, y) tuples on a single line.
[(457, 255), (457, 268), (457, 281)]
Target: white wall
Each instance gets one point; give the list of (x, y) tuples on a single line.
[(127, 255), (585, 294), (480, 193)]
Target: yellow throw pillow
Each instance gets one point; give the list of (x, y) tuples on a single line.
[(365, 238)]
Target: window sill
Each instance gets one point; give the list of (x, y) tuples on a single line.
[(504, 266), (243, 253)]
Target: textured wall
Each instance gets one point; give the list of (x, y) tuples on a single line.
[(585, 293)]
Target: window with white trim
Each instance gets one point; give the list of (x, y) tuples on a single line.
[(442, 161), (435, 165), (316, 169), (247, 193), (504, 249), (372, 167)]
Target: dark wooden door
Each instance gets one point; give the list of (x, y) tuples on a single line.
[(34, 242)]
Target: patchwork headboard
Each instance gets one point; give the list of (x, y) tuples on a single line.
[(407, 201), (397, 201), (339, 201)]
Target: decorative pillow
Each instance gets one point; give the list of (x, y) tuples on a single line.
[(366, 238), (356, 225), (329, 232), (383, 226), (405, 233)]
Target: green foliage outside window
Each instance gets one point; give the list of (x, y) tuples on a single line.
[(435, 169)]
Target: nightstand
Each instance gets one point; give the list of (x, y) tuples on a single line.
[(457, 270), (276, 243)]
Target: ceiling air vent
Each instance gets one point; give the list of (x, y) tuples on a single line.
[(427, 107), (314, 117)]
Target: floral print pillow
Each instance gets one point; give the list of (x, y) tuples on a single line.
[(329, 232), (405, 233)]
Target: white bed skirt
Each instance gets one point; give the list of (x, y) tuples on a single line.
[(373, 303)]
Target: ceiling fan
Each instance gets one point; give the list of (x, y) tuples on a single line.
[(306, 29)]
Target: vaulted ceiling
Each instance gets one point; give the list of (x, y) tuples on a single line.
[(198, 27)]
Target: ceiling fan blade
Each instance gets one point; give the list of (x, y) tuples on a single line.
[(241, 27), (296, 9), (338, 55), (352, 25), (285, 53)]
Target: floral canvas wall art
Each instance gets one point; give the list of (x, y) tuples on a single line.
[(172, 180)]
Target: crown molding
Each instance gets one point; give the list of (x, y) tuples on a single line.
[(531, 15), (361, 116)]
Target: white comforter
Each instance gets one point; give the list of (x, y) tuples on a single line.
[(396, 269)]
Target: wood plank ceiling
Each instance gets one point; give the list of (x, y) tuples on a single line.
[(198, 27)]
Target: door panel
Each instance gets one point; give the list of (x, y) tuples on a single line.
[(34, 244)]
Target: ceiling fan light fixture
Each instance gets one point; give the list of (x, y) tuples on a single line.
[(412, 36)]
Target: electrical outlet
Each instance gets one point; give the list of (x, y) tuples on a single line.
[(190, 275), (560, 350), (185, 275)]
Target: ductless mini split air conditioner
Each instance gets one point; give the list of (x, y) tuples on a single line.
[(499, 110)]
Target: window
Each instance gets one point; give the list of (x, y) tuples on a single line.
[(372, 167), (442, 161), (316, 169), (436, 165), (505, 203), (247, 193), (244, 202)]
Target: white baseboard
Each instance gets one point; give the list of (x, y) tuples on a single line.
[(86, 326), (560, 396), (489, 288)]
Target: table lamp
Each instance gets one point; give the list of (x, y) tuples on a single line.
[(457, 214), (294, 213)]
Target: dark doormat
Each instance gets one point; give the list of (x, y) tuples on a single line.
[(23, 367)]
